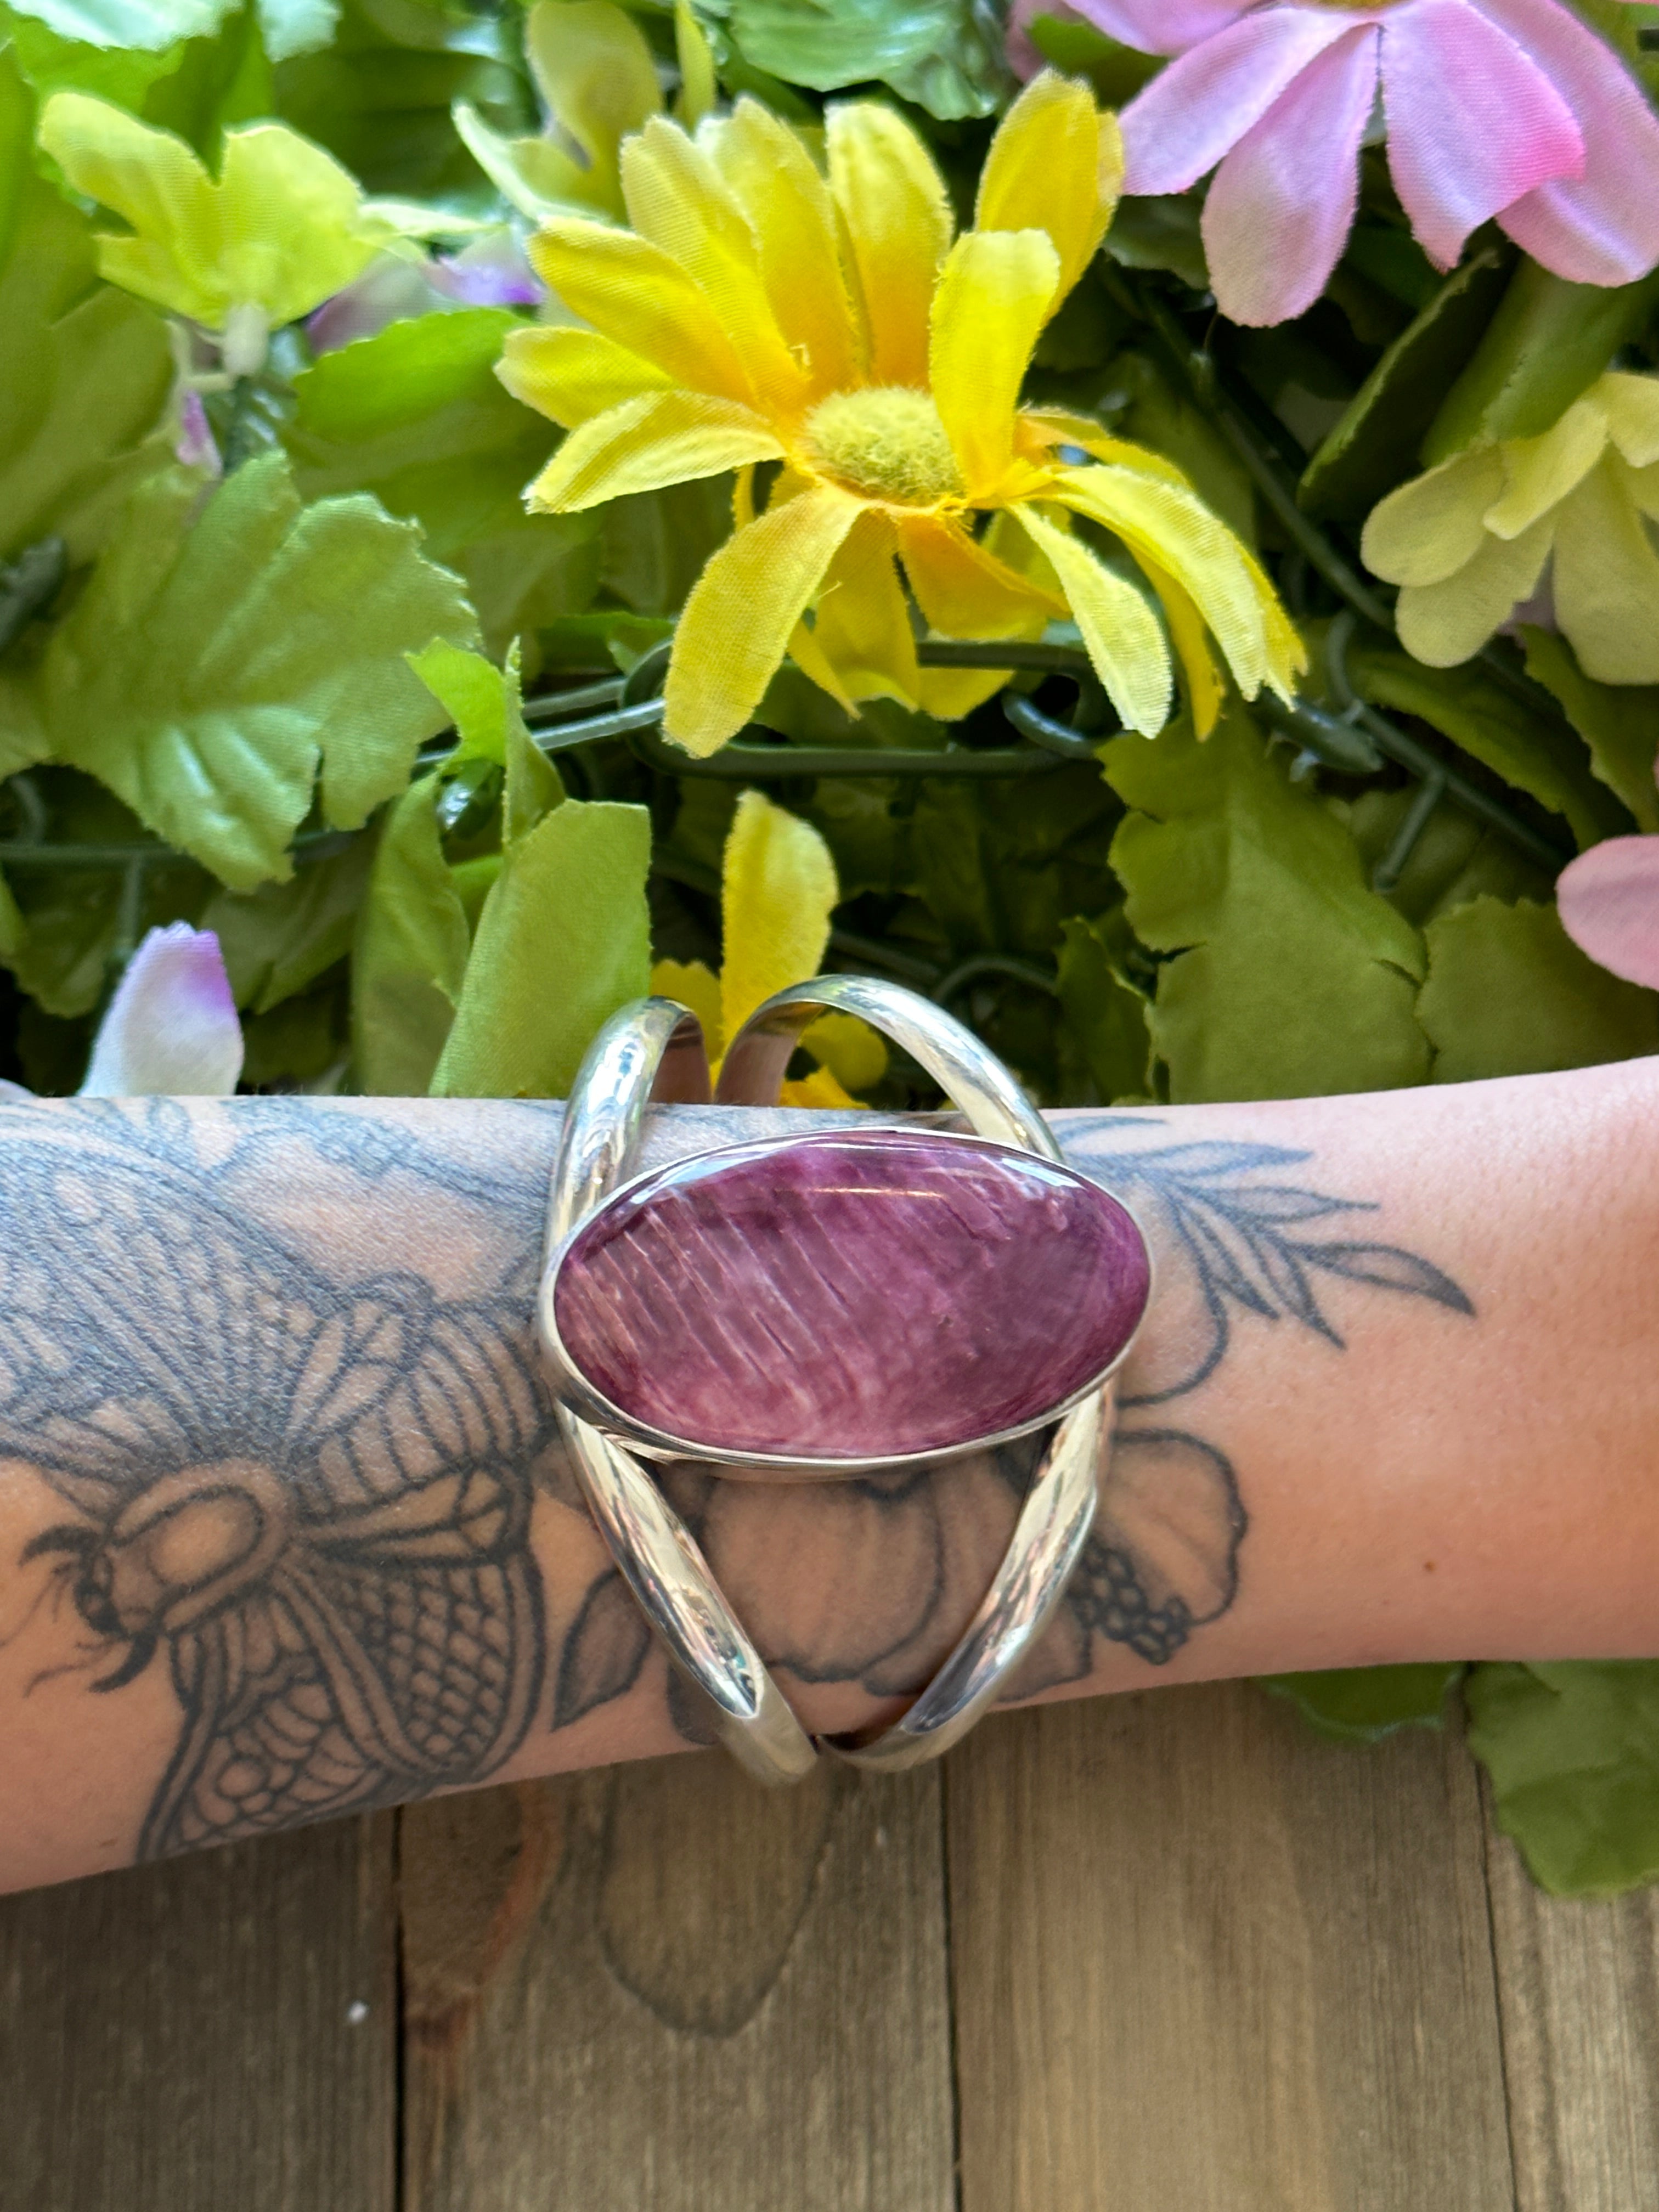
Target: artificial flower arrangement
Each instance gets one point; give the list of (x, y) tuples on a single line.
[(1134, 517)]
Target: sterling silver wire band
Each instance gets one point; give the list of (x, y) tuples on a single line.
[(655, 1050)]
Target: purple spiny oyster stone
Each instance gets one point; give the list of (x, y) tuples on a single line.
[(864, 1296)]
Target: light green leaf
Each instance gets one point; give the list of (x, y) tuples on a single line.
[(52, 63), (1510, 994), (1619, 723), (277, 940), (410, 954), (1376, 445), (283, 227), (474, 694), (1291, 976), (1532, 751), (1362, 1705), (1572, 1748), (149, 25), (416, 416), (563, 941), (84, 370), (205, 672), (944, 55), (1104, 1017)]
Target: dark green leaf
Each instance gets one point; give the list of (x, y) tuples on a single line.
[(1362, 1705), (1453, 860), (1510, 994), (279, 939), (1160, 230), (1376, 445), (1003, 866), (1572, 1748), (300, 1042), (944, 55), (1290, 976), (1535, 751), (1104, 1016), (1619, 723), (1547, 343), (1117, 72)]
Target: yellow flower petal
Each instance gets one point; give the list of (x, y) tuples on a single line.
[(863, 626), (1168, 526), (810, 657), (640, 296), (1540, 473), (737, 621), (1056, 164), (792, 216), (694, 984), (598, 80), (571, 375), (533, 174), (893, 202), (849, 1050), (1442, 623), (1632, 410), (1606, 581), (1057, 425), (778, 889), (1120, 630), (992, 299), (1431, 526), (1639, 486), (660, 438), (819, 1089), (1205, 688), (962, 587), (676, 198)]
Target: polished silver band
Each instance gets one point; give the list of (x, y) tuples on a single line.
[(655, 1050)]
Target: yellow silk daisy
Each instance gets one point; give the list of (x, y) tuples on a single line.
[(778, 891), (757, 312)]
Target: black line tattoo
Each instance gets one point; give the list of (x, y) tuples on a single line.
[(310, 1500)]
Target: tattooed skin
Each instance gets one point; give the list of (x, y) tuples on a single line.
[(302, 1477)]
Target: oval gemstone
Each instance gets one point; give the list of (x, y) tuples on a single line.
[(858, 1296)]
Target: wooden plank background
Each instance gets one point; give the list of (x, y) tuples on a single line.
[(1167, 1950)]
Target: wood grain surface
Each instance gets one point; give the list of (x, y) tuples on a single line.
[(1167, 1950), (712, 1998), (217, 2034), (1202, 1959)]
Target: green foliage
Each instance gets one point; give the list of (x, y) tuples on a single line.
[(84, 369), (1618, 724), (563, 941), (944, 55), (1363, 1705), (410, 953), (202, 677), (1573, 1752), (416, 416), (1104, 1016), (1510, 994), (1288, 976)]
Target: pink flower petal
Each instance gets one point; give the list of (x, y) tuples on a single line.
[(1603, 227), (1610, 903), (1474, 123), (1156, 26), (1200, 108), (171, 1029), (1283, 201)]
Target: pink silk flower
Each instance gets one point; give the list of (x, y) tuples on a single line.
[(1507, 108)]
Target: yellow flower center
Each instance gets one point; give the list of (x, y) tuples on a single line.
[(887, 443)]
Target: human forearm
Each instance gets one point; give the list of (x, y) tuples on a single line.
[(1437, 1447)]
